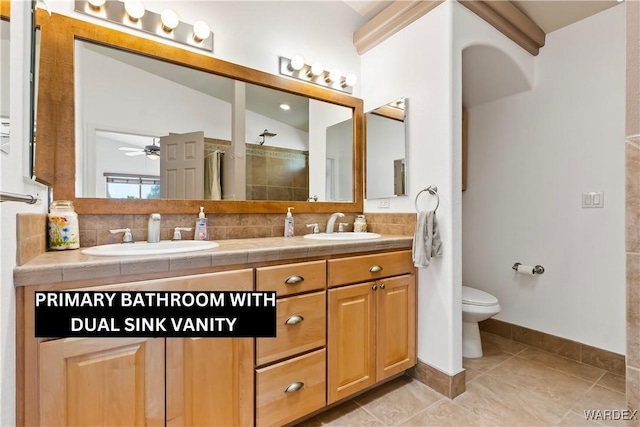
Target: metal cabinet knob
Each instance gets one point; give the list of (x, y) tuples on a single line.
[(293, 387), (374, 287), (381, 285), (293, 320), (375, 269), (294, 280)]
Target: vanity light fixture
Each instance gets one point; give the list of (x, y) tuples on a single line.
[(333, 76), (96, 4), (296, 64), (132, 14), (169, 19), (201, 31), (350, 80), (316, 69), (134, 9), (316, 74)]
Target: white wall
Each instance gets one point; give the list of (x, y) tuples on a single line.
[(14, 169), (530, 157), (396, 69)]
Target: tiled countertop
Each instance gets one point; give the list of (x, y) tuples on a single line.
[(62, 266)]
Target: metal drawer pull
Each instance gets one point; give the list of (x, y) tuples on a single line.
[(375, 269), (294, 280), (295, 319), (293, 387)]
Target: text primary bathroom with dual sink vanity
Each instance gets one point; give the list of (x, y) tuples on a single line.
[(143, 120)]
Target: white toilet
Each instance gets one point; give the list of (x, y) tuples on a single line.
[(477, 306)]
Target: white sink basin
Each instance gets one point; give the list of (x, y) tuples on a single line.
[(342, 236), (144, 248)]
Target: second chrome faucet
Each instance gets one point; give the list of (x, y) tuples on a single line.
[(331, 222)]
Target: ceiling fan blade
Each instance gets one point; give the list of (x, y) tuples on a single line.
[(134, 153), (130, 149)]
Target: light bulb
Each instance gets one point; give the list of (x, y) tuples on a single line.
[(334, 75), (169, 19), (285, 107), (153, 156), (134, 9), (350, 80), (316, 69), (96, 4), (296, 63), (201, 31)]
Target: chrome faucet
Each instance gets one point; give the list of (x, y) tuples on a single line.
[(153, 232), (332, 221)]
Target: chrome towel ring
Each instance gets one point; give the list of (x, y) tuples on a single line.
[(433, 190)]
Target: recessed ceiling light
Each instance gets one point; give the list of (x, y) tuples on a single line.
[(285, 107)]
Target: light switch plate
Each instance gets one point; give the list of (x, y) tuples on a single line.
[(384, 203), (593, 199)]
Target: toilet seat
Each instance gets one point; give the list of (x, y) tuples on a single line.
[(473, 296)]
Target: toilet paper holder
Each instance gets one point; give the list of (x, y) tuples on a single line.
[(538, 269)]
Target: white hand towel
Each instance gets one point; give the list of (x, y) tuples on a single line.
[(426, 241)]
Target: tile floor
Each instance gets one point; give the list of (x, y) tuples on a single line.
[(511, 385)]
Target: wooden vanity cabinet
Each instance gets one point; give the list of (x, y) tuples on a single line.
[(122, 381), (291, 368), (372, 325), (102, 381), (343, 325)]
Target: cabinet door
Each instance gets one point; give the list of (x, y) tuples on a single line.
[(352, 319), (210, 380), (396, 334), (102, 381)]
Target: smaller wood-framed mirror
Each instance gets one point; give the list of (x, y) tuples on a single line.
[(387, 149)]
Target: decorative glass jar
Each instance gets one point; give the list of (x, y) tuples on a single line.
[(63, 227)]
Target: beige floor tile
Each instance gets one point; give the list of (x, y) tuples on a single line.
[(563, 388), (491, 357), (397, 400), (601, 398), (613, 382), (502, 343), (471, 374), (501, 403), (444, 413), (571, 367), (348, 414), (574, 419)]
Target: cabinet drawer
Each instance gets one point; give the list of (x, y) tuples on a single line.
[(304, 333), (274, 405), (369, 267), (292, 278)]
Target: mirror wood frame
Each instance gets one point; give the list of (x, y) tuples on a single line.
[(55, 149)]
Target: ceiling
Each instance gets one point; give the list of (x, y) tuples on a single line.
[(549, 15)]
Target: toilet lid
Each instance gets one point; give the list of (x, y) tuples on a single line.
[(475, 296)]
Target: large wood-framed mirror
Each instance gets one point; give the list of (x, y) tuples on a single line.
[(61, 129)]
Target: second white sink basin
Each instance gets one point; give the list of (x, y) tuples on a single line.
[(342, 236), (144, 248)]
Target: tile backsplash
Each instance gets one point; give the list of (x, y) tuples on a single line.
[(94, 229)]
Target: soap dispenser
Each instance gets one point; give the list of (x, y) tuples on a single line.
[(288, 224), (201, 226)]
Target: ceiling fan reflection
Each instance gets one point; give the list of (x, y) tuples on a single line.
[(151, 151)]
